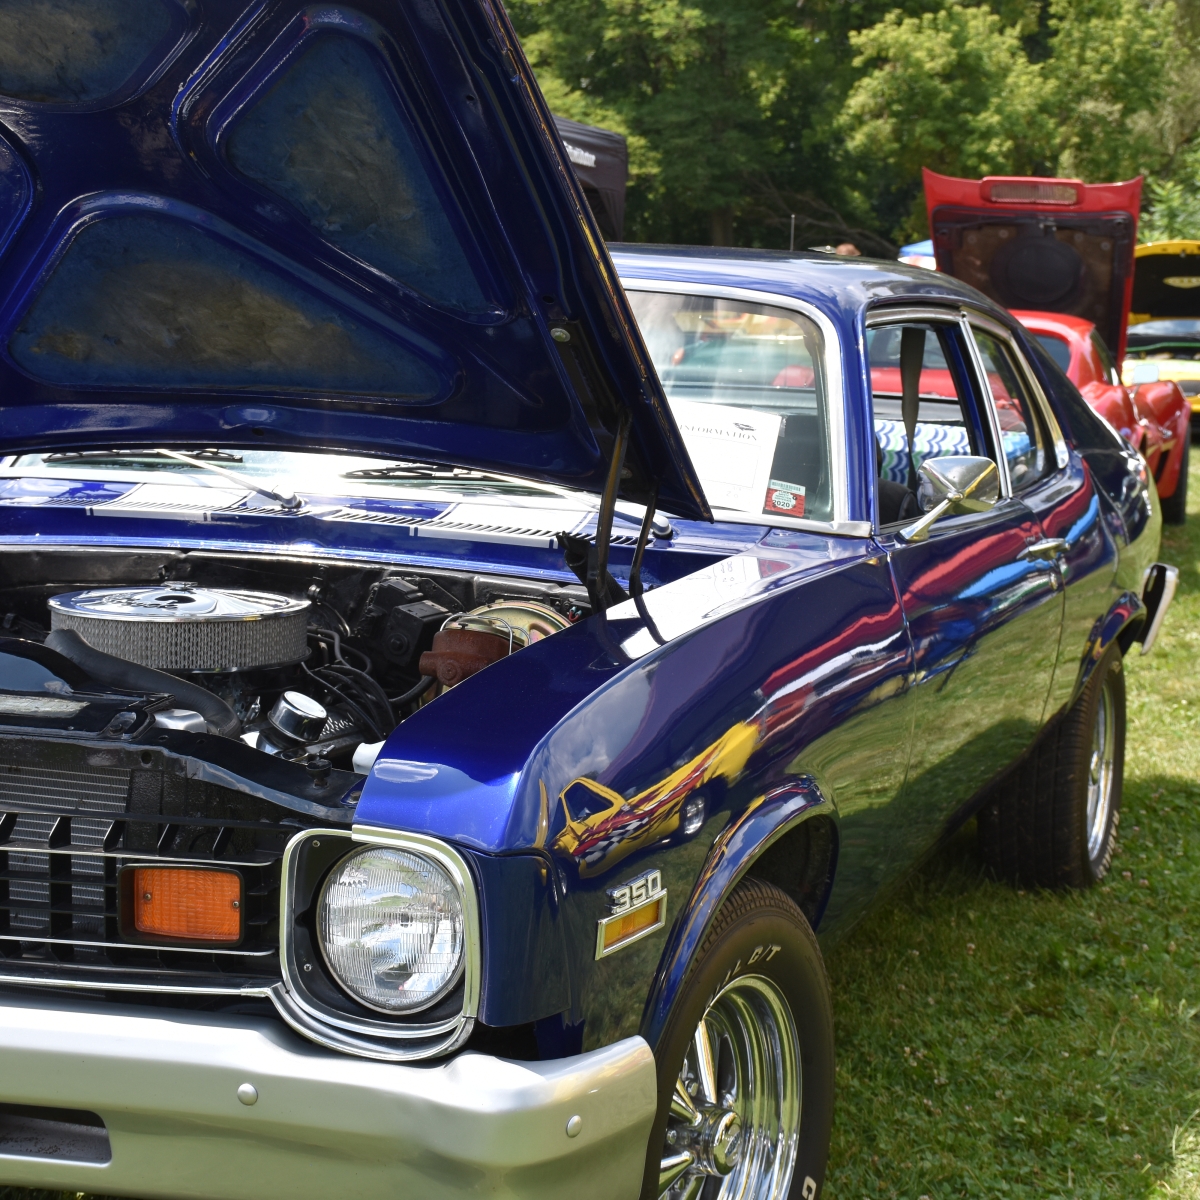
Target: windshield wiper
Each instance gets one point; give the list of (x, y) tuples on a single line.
[(70, 456), (198, 458), (415, 470)]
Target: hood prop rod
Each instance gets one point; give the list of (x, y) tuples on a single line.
[(588, 558), (635, 570)]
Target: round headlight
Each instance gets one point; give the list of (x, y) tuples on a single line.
[(392, 929)]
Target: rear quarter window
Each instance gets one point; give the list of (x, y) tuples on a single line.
[(1058, 349), (1084, 429)]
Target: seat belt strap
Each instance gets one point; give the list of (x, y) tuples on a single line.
[(912, 358)]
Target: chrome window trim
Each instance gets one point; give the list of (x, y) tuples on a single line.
[(909, 312), (377, 1038), (1062, 453), (966, 319), (733, 516), (958, 316), (835, 405)]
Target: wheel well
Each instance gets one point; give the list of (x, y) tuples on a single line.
[(801, 862)]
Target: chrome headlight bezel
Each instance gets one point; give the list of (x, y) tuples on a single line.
[(352, 1026)]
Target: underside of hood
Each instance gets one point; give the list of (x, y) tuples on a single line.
[(1166, 281), (1050, 245), (349, 226)]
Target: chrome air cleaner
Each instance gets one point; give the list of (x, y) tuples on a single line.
[(179, 627)]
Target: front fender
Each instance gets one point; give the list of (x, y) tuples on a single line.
[(735, 850)]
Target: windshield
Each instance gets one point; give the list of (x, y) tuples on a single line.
[(1178, 327), (1057, 348), (746, 384)]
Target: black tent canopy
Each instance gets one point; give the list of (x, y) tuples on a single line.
[(601, 161)]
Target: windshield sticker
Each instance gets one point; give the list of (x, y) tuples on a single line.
[(731, 448), (784, 498)]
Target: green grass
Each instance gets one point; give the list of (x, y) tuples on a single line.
[(992, 1043)]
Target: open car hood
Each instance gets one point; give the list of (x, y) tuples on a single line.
[(345, 226), (1166, 284), (1051, 245)]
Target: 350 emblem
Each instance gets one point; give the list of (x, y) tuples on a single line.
[(636, 891)]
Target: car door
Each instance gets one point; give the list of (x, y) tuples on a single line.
[(983, 605), (1064, 500)]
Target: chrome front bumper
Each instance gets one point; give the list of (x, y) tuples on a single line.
[(166, 1085)]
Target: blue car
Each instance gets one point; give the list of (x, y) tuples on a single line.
[(451, 676)]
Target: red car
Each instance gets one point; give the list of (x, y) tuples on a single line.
[(1059, 254), (1153, 417)]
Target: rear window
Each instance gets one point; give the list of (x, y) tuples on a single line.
[(1057, 348), (746, 384)]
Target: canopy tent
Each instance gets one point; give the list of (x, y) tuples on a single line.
[(601, 161)]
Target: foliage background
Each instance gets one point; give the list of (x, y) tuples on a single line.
[(742, 112)]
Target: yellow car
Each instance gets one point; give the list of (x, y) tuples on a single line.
[(1164, 323), (601, 827)]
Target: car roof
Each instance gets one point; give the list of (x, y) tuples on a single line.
[(837, 284)]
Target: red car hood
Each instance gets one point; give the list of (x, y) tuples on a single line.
[(1056, 245)]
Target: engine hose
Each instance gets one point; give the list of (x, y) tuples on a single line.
[(119, 672), (415, 693)]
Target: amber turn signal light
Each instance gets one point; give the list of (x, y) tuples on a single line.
[(189, 904)]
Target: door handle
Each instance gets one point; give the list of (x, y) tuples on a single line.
[(1050, 548)]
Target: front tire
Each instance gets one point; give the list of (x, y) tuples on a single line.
[(1052, 822), (745, 1062)]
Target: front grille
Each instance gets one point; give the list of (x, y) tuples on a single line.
[(67, 829)]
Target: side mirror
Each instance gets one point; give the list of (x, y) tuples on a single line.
[(950, 486)]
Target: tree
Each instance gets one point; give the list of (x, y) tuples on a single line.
[(741, 114), (952, 90), (961, 92), (1172, 205), (704, 87)]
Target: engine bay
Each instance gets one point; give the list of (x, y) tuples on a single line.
[(310, 662)]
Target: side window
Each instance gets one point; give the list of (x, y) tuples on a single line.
[(945, 420), (1024, 441)]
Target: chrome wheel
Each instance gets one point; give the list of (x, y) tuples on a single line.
[(1101, 771), (735, 1113)]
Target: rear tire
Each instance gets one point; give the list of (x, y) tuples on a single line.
[(1174, 507), (755, 1122), (1052, 821)]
